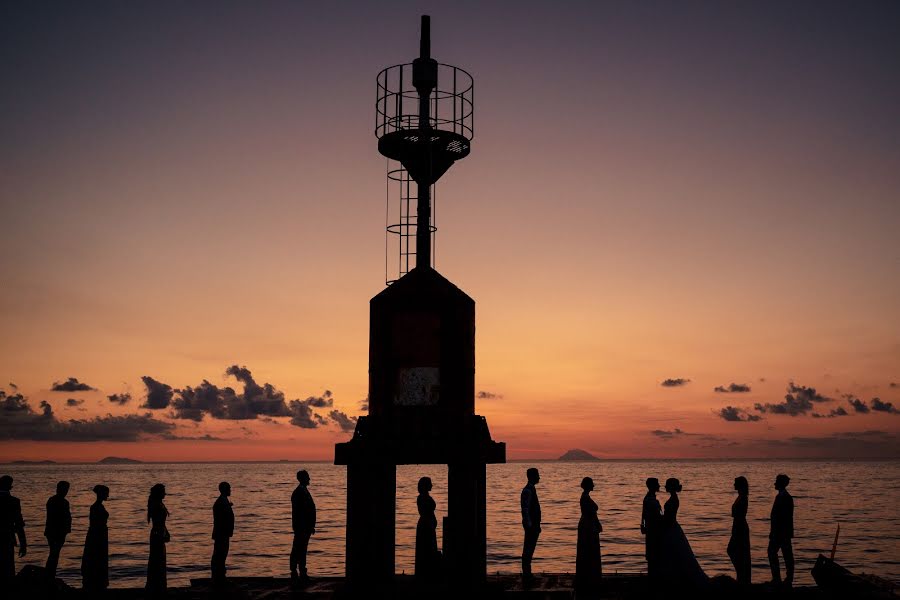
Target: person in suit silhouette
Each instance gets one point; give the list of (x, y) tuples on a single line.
[(587, 548), (427, 555), (157, 514), (303, 520), (57, 526), (781, 532), (12, 526), (651, 523), (95, 559), (531, 521), (223, 529), (739, 544)]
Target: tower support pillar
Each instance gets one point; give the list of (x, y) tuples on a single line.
[(371, 517)]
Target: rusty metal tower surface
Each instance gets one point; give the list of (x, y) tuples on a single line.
[(421, 350)]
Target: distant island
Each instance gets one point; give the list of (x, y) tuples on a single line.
[(577, 454), (116, 460), (33, 462)]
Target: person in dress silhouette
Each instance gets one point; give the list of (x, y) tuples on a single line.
[(531, 521), (12, 526), (781, 532), (651, 523), (677, 564), (303, 520), (223, 529), (587, 554), (427, 556), (157, 513), (57, 526), (739, 544), (95, 559)]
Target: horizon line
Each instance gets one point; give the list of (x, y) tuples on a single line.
[(48, 462)]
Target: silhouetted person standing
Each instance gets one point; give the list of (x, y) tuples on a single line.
[(531, 521), (676, 564), (739, 544), (57, 526), (12, 526), (426, 532), (303, 519), (95, 560), (587, 554), (651, 523), (223, 529), (157, 513), (782, 521)]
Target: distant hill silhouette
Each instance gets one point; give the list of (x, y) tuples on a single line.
[(116, 460), (577, 454), (33, 462)]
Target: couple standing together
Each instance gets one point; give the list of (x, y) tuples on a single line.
[(587, 556), (669, 554)]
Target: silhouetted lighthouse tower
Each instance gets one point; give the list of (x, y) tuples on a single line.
[(421, 347)]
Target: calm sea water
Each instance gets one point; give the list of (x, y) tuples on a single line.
[(861, 496)]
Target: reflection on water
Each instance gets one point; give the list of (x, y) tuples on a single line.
[(861, 496)]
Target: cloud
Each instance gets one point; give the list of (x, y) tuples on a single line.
[(675, 382), (225, 403), (840, 411), (302, 414), (74, 402), (193, 402), (71, 385), (15, 388), (735, 414), (667, 434), (364, 404), (706, 439), (194, 438), (256, 399), (12, 404), (120, 399), (850, 444), (856, 404), (485, 395), (734, 388), (877, 405), (893, 385), (324, 401), (798, 401), (159, 394), (347, 424), (18, 421)]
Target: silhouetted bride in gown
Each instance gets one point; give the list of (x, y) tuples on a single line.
[(587, 548), (427, 555), (157, 513), (95, 559), (677, 563)]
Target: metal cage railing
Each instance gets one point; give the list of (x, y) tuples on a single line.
[(452, 103)]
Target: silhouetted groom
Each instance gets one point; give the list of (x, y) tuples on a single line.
[(223, 529), (651, 519), (781, 532), (58, 526), (303, 520), (531, 521)]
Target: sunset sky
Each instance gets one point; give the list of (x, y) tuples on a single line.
[(662, 199)]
